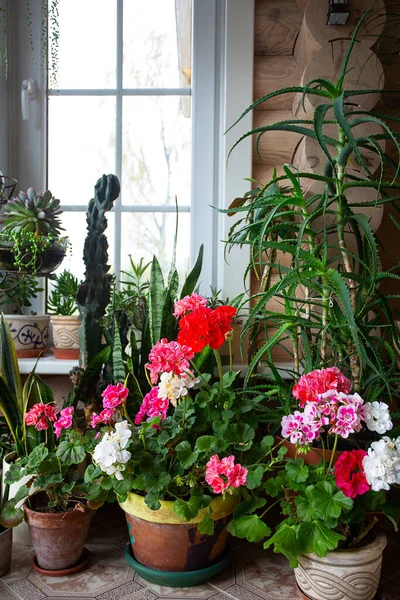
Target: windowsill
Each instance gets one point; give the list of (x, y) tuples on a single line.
[(47, 365)]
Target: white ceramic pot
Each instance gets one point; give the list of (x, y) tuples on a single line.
[(342, 574), (21, 532), (65, 331), (30, 334)]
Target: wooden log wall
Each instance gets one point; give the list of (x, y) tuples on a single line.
[(293, 44)]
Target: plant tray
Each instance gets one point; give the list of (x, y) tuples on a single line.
[(82, 564), (175, 579)]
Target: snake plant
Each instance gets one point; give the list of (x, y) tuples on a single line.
[(333, 311)]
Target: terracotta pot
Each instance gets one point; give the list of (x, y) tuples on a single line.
[(313, 457), (5, 551), (58, 538), (30, 334), (342, 574), (176, 545), (21, 532), (65, 332)]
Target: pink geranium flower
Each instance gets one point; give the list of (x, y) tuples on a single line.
[(311, 385), (114, 395), (152, 406), (41, 416), (222, 474), (104, 418), (188, 304), (168, 357), (65, 420)]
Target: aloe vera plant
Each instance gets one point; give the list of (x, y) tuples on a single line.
[(16, 397), (332, 309)]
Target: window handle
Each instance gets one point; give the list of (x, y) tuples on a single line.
[(28, 92)]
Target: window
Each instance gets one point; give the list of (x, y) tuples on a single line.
[(221, 87)]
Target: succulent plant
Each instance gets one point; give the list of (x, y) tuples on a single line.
[(31, 212)]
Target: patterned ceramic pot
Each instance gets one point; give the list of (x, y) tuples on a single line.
[(30, 334), (343, 574), (65, 332), (176, 545)]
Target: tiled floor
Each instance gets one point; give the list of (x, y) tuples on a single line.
[(253, 575)]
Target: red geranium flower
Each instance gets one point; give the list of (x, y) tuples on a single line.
[(318, 382), (206, 327), (349, 474)]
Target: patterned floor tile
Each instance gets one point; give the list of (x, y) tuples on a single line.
[(236, 591), (224, 579), (122, 592), (21, 564), (6, 593), (26, 590), (107, 569), (268, 576), (198, 592)]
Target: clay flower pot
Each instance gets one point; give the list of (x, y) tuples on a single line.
[(313, 456), (176, 545), (65, 332), (30, 334), (58, 538), (342, 574), (5, 551)]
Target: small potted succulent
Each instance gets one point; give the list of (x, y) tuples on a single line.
[(64, 322), (30, 241), (30, 332)]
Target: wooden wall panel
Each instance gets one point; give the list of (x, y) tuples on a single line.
[(272, 73), (275, 147), (277, 23)]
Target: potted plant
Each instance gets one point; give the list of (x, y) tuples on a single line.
[(57, 506), (30, 241), (30, 331), (330, 509), (179, 459), (62, 307), (314, 252), (6, 537)]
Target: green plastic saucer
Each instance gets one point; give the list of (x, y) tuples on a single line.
[(175, 579)]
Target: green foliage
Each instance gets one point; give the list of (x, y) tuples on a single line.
[(19, 290), (30, 212), (328, 285), (62, 299)]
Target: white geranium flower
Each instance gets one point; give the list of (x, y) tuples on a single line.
[(382, 464), (122, 433), (378, 418), (174, 387)]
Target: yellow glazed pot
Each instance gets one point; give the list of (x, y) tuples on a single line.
[(176, 545)]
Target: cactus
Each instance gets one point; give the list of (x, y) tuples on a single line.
[(94, 293)]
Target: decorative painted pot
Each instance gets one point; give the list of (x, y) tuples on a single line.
[(176, 545), (5, 551), (58, 538), (21, 532), (65, 331), (30, 334), (342, 574)]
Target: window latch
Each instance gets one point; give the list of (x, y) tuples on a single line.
[(28, 92)]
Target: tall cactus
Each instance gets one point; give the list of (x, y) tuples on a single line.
[(94, 293)]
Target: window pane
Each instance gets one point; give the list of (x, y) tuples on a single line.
[(74, 224), (156, 158), (156, 43), (86, 45), (80, 153), (145, 234)]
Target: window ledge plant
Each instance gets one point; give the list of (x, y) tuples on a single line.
[(62, 307)]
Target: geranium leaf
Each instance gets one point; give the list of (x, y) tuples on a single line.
[(286, 542), (185, 454), (156, 483), (328, 503), (152, 501), (241, 434), (274, 486), (250, 527), (37, 456), (254, 477), (206, 526), (187, 510), (297, 471), (71, 452), (11, 515), (206, 443), (318, 538), (267, 442)]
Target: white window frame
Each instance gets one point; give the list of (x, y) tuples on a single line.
[(222, 88)]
